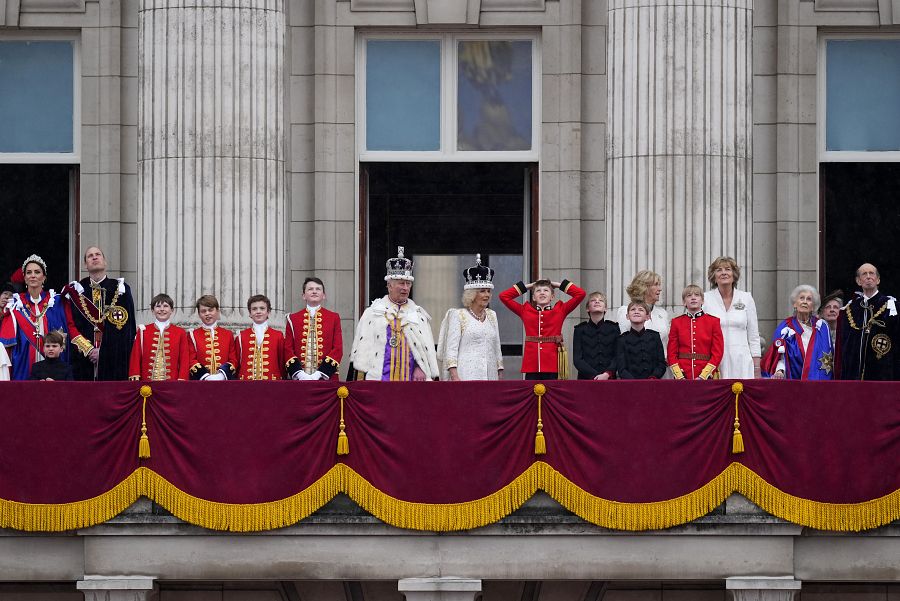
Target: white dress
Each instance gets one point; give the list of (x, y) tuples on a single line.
[(469, 345), (4, 363), (740, 329)]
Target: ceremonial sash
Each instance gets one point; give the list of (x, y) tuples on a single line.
[(30, 330), (84, 303)]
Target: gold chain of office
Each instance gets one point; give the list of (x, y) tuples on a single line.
[(853, 323), (109, 308)]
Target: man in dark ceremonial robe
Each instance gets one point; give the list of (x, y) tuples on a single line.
[(101, 321), (868, 332)]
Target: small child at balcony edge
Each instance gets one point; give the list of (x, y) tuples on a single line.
[(52, 367), (639, 351)]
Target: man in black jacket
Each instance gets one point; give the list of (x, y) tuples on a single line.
[(102, 314)]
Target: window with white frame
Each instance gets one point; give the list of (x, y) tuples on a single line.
[(39, 105), (861, 93), (448, 96)]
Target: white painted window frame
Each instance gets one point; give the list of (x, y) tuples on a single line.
[(844, 156), (66, 158), (448, 102)]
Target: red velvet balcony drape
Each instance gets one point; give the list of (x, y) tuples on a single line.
[(442, 456)]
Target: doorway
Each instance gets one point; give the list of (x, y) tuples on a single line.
[(443, 214), (38, 212)]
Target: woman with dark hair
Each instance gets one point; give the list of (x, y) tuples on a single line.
[(801, 346), (736, 311), (31, 315)]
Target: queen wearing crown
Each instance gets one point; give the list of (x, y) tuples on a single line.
[(469, 340), (33, 314), (393, 340)]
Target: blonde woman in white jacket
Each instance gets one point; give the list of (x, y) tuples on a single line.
[(736, 311)]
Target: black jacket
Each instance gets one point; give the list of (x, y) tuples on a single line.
[(594, 348), (639, 355), (56, 369)]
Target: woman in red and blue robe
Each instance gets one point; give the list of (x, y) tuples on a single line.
[(801, 345), (31, 315)]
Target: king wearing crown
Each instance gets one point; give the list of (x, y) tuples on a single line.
[(393, 339)]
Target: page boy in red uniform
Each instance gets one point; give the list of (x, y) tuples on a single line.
[(695, 343), (216, 346), (545, 355), (161, 350), (313, 344), (260, 348)]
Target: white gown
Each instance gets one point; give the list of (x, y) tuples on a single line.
[(469, 345), (740, 329), (4, 363)]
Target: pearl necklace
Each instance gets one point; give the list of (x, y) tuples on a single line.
[(481, 318)]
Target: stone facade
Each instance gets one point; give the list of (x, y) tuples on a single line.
[(305, 220)]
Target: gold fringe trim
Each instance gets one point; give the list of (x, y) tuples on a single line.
[(451, 516), (41, 517)]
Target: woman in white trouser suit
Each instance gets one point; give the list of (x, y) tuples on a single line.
[(737, 314)]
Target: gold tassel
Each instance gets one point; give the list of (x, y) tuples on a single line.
[(343, 444), (737, 440), (562, 362), (144, 444), (540, 445)]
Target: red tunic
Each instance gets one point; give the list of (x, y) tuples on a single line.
[(695, 346), (173, 364), (263, 362), (327, 350), (542, 356), (219, 353)]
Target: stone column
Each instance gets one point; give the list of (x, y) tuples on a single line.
[(211, 171), (444, 588), (118, 588), (679, 169), (763, 588)]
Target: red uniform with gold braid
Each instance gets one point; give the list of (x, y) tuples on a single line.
[(264, 361), (321, 353), (695, 346), (215, 354), (168, 355), (543, 327)]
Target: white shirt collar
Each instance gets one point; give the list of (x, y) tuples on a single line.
[(211, 328), (312, 310), (97, 282), (161, 325), (874, 294), (259, 329)]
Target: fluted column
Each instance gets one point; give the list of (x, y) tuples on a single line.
[(211, 189), (679, 169)]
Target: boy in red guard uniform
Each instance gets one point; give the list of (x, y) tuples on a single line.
[(260, 348), (695, 343), (545, 355), (216, 346), (161, 350), (315, 357)]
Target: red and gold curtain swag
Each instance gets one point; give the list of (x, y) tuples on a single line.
[(244, 456)]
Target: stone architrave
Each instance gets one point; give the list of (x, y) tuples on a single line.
[(679, 151), (118, 588), (211, 159), (439, 588), (763, 588)]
